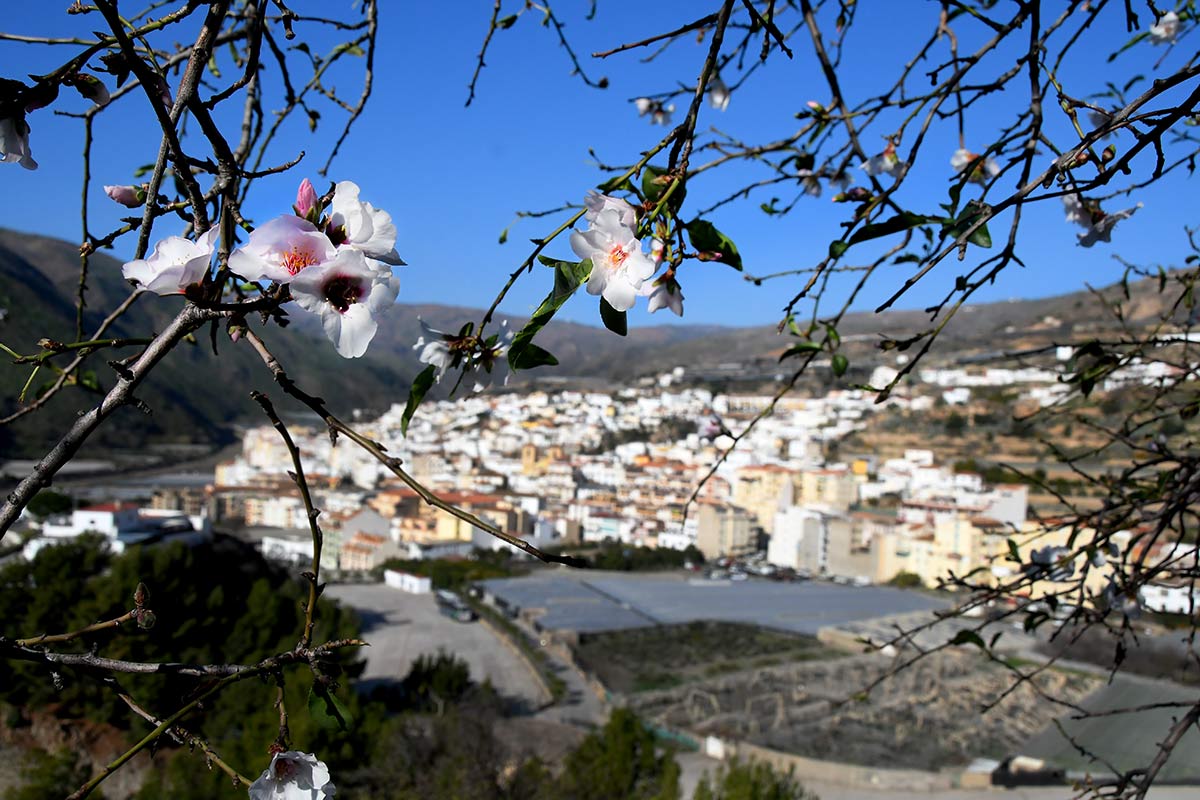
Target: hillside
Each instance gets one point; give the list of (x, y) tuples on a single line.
[(195, 400)]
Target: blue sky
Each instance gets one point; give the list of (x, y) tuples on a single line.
[(453, 177)]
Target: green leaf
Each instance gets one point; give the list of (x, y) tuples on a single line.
[(615, 321), (652, 187), (955, 228), (707, 239), (88, 380), (420, 387), (1013, 552), (326, 710), (969, 637), (568, 277), (901, 222), (799, 348), (533, 356), (615, 184), (505, 23), (840, 364), (837, 248)]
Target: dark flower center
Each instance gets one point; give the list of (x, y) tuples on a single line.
[(342, 292)]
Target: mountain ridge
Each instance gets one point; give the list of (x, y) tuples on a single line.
[(190, 398)]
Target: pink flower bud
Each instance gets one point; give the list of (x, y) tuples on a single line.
[(306, 199), (128, 196)]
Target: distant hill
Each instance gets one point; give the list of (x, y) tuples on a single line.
[(196, 400)]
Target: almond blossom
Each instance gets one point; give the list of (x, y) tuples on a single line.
[(176, 264), (981, 169), (14, 142), (659, 114), (347, 293), (618, 264), (597, 203), (718, 93), (293, 775), (433, 347), (128, 196), (663, 293), (358, 224), (1087, 214), (306, 200), (1165, 29), (280, 249), (486, 361), (809, 182), (885, 163)]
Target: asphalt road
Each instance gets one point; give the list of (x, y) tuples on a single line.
[(401, 627)]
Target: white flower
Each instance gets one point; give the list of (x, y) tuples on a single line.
[(664, 294), (981, 169), (176, 264), (618, 264), (435, 351), (597, 203), (1166, 29), (1076, 212), (357, 224), (1098, 224), (711, 427), (280, 249), (1101, 230), (659, 114), (348, 293), (14, 142), (809, 182), (487, 362), (490, 364), (128, 196), (718, 93), (293, 776), (885, 163)]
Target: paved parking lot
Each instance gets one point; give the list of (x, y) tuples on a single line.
[(402, 626)]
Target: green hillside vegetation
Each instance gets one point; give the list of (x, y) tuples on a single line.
[(430, 735)]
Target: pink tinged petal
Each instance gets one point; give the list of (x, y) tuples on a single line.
[(961, 158), (125, 195), (282, 248), (306, 198)]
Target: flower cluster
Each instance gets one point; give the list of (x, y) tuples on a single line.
[(619, 267), (978, 169), (1165, 29), (293, 775), (1098, 225), (335, 261), (660, 114), (485, 358), (885, 163)]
